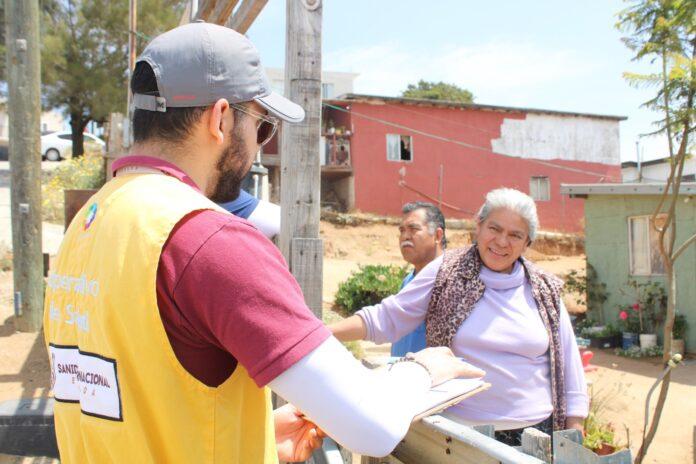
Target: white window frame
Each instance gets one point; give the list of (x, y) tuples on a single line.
[(536, 180), (399, 160), (648, 226), (327, 90)]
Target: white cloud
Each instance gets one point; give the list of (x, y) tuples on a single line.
[(496, 72)]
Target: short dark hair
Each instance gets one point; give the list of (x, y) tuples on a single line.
[(174, 125), (433, 216)]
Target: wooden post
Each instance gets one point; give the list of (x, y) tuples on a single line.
[(24, 113), (132, 47), (300, 170), (114, 145)]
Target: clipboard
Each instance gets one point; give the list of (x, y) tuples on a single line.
[(450, 402)]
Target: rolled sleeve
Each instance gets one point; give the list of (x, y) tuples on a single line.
[(241, 295)]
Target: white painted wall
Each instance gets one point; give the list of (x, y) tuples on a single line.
[(656, 172), (50, 121), (339, 82), (549, 137)]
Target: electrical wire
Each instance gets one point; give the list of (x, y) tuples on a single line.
[(602, 176), (441, 203), (449, 121)]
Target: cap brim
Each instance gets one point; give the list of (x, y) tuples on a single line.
[(279, 106)]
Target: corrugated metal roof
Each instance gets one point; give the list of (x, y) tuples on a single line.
[(354, 97), (686, 188)]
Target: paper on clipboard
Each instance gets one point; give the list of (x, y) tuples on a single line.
[(447, 394)]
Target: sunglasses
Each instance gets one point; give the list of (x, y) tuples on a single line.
[(265, 128)]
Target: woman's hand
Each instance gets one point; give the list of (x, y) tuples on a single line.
[(575, 423), (296, 437), (442, 365)]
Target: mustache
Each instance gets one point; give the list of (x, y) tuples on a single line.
[(406, 243)]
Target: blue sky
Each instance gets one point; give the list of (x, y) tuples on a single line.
[(560, 55)]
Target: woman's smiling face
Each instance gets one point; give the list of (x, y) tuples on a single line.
[(501, 239)]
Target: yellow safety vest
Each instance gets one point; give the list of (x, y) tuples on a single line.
[(121, 394)]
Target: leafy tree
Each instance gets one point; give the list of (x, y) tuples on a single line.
[(664, 31), (84, 56), (438, 91), (46, 6)]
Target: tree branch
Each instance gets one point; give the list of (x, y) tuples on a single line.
[(683, 247)]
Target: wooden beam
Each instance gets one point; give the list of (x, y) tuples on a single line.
[(306, 265), (186, 15), (24, 113), (245, 15), (300, 169), (223, 10), (205, 9)]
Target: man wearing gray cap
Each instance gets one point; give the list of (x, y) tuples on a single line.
[(166, 317)]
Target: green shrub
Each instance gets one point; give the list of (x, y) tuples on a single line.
[(85, 172), (368, 286), (680, 325)]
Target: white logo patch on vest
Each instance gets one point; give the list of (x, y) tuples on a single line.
[(86, 378)]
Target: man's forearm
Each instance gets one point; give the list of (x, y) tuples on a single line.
[(352, 328)]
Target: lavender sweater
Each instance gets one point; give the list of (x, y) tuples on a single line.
[(504, 336)]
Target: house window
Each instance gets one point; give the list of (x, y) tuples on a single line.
[(540, 188), (327, 90), (643, 242), (399, 147)]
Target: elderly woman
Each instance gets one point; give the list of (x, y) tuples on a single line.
[(497, 311)]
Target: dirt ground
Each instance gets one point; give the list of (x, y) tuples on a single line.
[(622, 383)]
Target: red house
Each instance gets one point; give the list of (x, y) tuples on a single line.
[(381, 152)]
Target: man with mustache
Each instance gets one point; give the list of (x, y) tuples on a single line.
[(421, 240), (166, 317)]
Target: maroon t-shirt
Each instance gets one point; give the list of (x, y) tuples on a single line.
[(225, 295)]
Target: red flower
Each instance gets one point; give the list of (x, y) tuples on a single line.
[(635, 306), (623, 315)]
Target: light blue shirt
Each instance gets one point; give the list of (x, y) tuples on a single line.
[(414, 341)]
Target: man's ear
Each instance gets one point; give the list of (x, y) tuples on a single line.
[(218, 120), (439, 233)]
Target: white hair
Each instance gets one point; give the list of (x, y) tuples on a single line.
[(515, 201)]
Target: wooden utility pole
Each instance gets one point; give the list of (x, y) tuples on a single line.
[(24, 114), (132, 47), (300, 169)]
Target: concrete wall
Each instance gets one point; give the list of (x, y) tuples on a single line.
[(656, 172), (50, 121), (607, 249), (340, 82), (549, 137), (462, 141)]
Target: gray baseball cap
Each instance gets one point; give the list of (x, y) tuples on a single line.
[(199, 63)]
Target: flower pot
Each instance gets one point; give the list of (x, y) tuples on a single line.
[(647, 341), (628, 340), (678, 346), (611, 341), (605, 450)]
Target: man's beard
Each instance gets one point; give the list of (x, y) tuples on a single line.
[(231, 169)]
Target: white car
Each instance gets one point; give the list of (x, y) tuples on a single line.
[(58, 145)]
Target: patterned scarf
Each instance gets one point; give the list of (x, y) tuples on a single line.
[(458, 288)]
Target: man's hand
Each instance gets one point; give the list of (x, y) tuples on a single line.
[(443, 365), (296, 437), (575, 423)]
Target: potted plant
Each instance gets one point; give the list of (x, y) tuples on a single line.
[(631, 325), (679, 334), (603, 336), (649, 307)]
